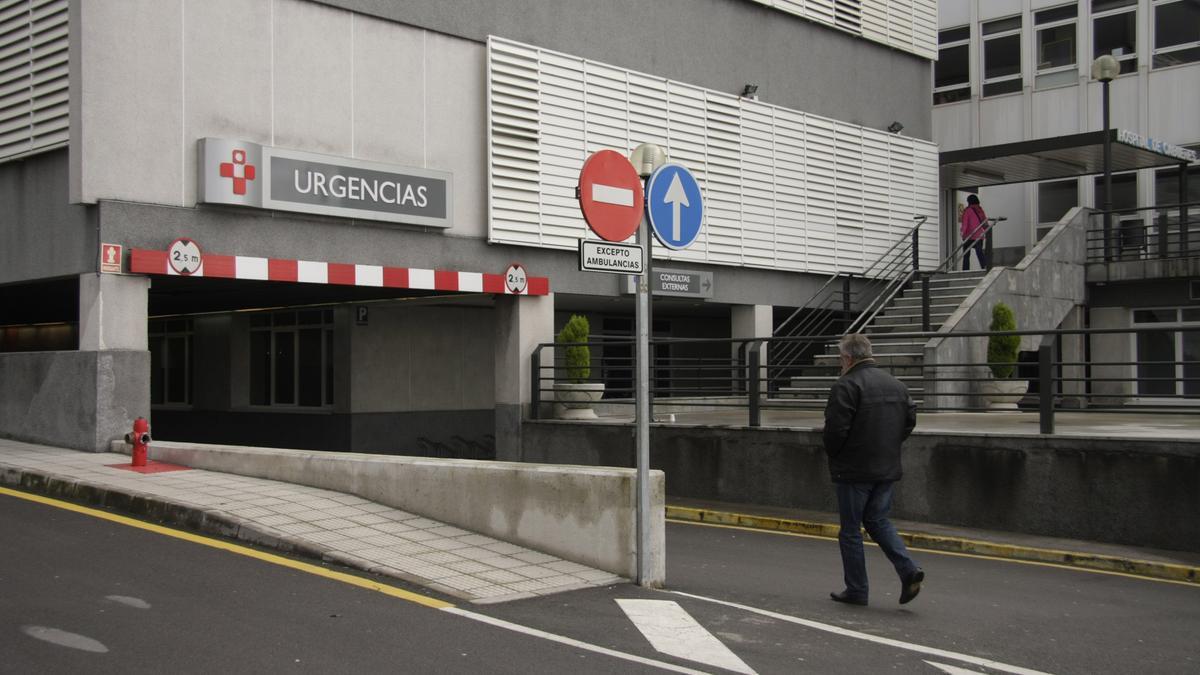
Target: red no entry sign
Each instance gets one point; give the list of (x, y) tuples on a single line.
[(610, 195)]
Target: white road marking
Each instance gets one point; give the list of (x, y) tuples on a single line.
[(517, 628), (64, 639), (952, 670), (838, 630), (129, 601), (671, 630), (611, 194)]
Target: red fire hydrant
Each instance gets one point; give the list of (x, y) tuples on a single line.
[(139, 439)]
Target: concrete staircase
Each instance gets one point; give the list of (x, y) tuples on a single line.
[(903, 357)]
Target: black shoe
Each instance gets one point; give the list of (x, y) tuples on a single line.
[(911, 586), (848, 599)]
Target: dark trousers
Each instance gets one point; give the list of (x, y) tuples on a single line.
[(976, 244), (866, 505)]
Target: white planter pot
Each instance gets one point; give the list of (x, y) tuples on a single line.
[(1003, 394), (573, 400)]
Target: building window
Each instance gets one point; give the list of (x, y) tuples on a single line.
[(1055, 198), (170, 361), (1114, 31), (1055, 42), (1002, 56), (1166, 184), (1168, 361), (1176, 32), (952, 72), (291, 358)]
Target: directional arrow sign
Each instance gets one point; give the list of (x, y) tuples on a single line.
[(674, 205)]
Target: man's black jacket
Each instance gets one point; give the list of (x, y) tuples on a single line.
[(868, 416)]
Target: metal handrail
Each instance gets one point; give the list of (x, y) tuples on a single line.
[(821, 310)]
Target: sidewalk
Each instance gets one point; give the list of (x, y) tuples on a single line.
[(1159, 564), (322, 524)]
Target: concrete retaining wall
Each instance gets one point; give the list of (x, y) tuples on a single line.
[(1042, 290), (582, 514), (79, 400), (1122, 491)]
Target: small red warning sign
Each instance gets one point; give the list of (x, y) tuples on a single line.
[(110, 258)]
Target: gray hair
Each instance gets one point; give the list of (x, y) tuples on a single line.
[(856, 346)]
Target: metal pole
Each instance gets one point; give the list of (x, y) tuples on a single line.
[(535, 383), (1045, 389), (1108, 231), (916, 249), (643, 412), (1183, 211), (925, 303), (753, 385)]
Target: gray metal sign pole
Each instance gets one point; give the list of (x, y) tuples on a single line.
[(642, 397), (645, 158)]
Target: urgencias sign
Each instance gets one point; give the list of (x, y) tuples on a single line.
[(261, 176)]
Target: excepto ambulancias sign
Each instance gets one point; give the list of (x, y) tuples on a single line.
[(261, 176)]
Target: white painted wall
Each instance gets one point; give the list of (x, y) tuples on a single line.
[(157, 75)]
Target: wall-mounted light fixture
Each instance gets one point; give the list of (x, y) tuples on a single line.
[(895, 127), (750, 91)]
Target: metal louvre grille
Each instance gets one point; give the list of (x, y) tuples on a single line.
[(782, 189), (908, 25), (34, 101)]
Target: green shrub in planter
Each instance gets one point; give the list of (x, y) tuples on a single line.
[(1002, 349), (579, 357)]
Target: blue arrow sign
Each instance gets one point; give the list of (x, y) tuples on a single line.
[(674, 206)]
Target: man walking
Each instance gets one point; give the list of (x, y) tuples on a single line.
[(867, 418)]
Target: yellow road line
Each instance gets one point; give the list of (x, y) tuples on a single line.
[(235, 548), (977, 556)]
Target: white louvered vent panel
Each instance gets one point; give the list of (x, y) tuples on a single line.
[(875, 20), (723, 196), (848, 16), (821, 193), (790, 190), (880, 229), (900, 24), (782, 189), (821, 10), (50, 95), (34, 76), (849, 195), (514, 148), (758, 186), (925, 170)]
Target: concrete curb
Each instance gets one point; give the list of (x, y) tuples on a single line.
[(176, 514), (1105, 563)]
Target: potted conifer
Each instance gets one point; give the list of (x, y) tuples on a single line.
[(574, 395), (1002, 392)]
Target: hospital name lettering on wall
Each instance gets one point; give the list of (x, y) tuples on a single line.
[(1161, 147), (259, 176)]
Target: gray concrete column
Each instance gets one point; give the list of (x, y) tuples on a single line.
[(522, 322), (112, 312), (750, 321), (1108, 350)]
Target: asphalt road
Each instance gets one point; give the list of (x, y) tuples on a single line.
[(79, 594)]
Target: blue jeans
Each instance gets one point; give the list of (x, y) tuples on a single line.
[(976, 244), (867, 505)]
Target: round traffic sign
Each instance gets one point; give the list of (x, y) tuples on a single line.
[(184, 256), (610, 195), (674, 205), (515, 279)]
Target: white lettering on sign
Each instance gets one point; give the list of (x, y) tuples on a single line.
[(360, 189), (1161, 147), (609, 194)]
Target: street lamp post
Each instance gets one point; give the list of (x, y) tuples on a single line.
[(1104, 69)]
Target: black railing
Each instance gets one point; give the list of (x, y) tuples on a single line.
[(1163, 232), (727, 375)]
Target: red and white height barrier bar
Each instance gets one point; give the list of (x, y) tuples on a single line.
[(142, 261)]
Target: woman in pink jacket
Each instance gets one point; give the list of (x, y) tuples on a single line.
[(973, 228)]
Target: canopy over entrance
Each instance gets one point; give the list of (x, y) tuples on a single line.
[(1058, 157)]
